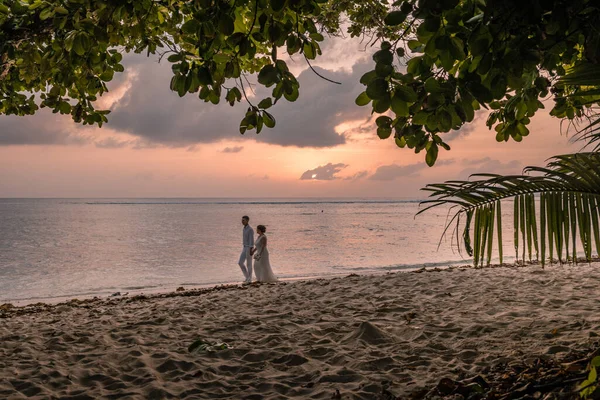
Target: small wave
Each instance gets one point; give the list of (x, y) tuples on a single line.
[(141, 287), (399, 267)]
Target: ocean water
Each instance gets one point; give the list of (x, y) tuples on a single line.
[(52, 249)]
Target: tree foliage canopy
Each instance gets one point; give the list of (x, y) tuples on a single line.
[(439, 60)]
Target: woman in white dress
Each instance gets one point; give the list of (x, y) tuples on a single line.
[(262, 266)]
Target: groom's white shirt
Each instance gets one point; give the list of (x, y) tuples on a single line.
[(248, 236), (245, 261)]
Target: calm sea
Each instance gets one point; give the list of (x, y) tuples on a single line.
[(52, 249)]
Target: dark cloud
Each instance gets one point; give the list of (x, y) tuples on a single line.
[(42, 128), (157, 116), (464, 131), (153, 112), (357, 176), (261, 177), (492, 166), (112, 143), (323, 173), (441, 163), (478, 161), (394, 171), (47, 128), (235, 149)]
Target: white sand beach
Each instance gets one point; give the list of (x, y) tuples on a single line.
[(302, 339)]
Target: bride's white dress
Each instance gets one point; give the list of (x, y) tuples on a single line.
[(262, 266)]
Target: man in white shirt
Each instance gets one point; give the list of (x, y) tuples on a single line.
[(248, 243)]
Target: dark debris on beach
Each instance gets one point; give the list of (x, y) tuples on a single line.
[(544, 378)]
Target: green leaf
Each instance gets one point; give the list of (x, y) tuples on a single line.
[(432, 154), (277, 5), (107, 75), (204, 76), (420, 118), (414, 45), (377, 89), (521, 111), (221, 58), (265, 103), (383, 57), (469, 110), (190, 27), (405, 93), (268, 75), (457, 48), (268, 119), (384, 132), (431, 24), (363, 99), (317, 36), (292, 95), (383, 121), (226, 25), (444, 120), (394, 18), (78, 44), (399, 106), (31, 7), (432, 85), (384, 70), (480, 92), (259, 124), (46, 13), (293, 44), (244, 125), (368, 77), (400, 141), (382, 105), (309, 50), (65, 108)]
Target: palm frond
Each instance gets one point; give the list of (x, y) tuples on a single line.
[(583, 81), (569, 202), (583, 74)]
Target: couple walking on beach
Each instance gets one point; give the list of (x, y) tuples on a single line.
[(257, 251)]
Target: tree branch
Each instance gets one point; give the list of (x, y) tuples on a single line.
[(318, 74)]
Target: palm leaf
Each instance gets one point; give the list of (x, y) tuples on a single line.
[(584, 74), (569, 190), (583, 84)]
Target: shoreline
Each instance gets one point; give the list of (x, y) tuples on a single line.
[(159, 289), (197, 290), (52, 302), (357, 333)]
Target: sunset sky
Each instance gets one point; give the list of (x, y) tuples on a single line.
[(157, 144)]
